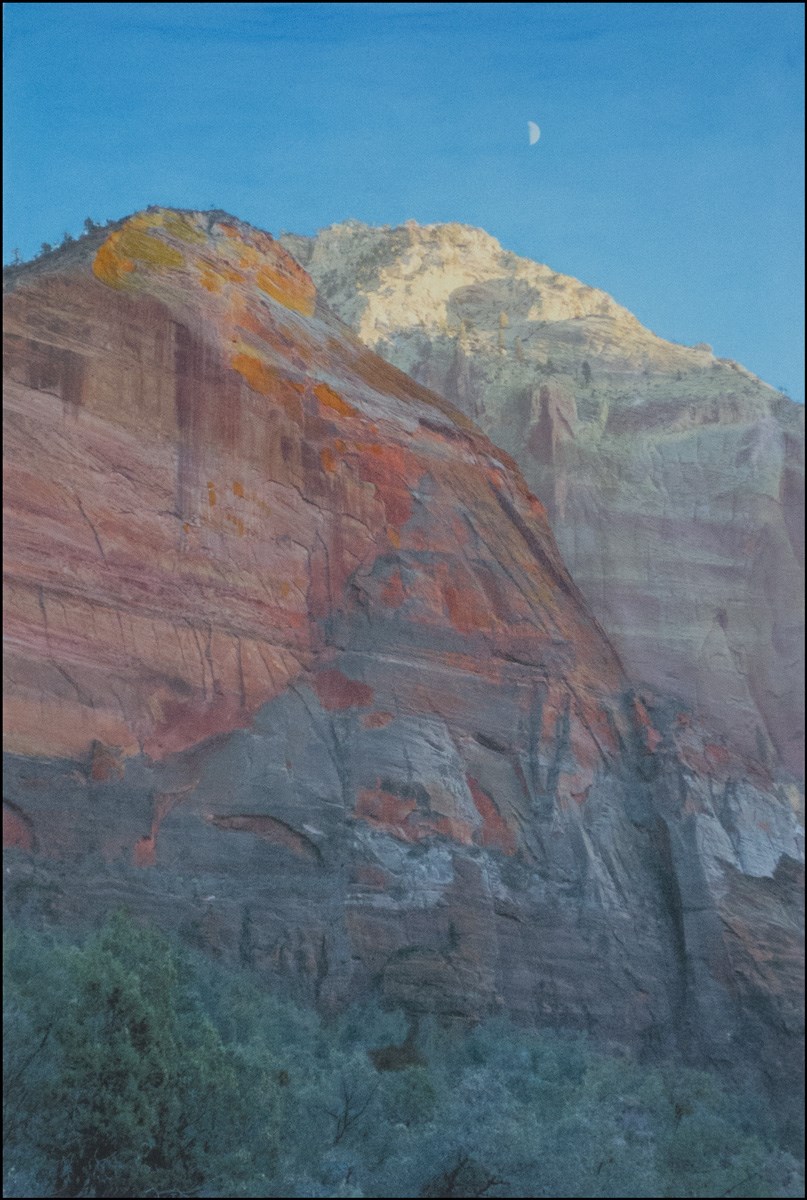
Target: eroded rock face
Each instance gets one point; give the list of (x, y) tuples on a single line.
[(294, 666), (674, 481)]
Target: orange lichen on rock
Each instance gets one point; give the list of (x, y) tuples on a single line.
[(140, 246), (210, 280), (277, 274), (331, 399), (110, 265), (214, 278), (125, 248), (263, 379), (290, 287), (258, 375), (183, 227)]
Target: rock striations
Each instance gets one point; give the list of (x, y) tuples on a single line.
[(674, 480), (294, 665)]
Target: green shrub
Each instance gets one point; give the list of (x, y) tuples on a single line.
[(134, 1067)]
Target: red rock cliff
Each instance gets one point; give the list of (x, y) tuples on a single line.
[(294, 664)]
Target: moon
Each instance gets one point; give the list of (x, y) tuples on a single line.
[(535, 132)]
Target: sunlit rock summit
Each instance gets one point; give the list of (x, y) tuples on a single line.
[(294, 665), (674, 480)]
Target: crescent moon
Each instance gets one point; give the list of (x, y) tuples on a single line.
[(535, 132)]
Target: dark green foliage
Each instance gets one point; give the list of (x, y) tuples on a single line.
[(115, 1079), (46, 248), (586, 370), (133, 1067), (90, 225)]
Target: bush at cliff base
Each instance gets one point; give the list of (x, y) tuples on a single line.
[(133, 1067)]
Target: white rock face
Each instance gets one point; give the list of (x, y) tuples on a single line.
[(674, 480)]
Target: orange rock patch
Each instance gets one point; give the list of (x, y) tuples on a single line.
[(467, 608), (106, 763), (382, 808), (145, 852), (370, 877), (399, 817), (494, 833), (336, 691), (377, 720), (331, 399), (259, 377), (388, 468), (716, 756), (15, 831), (393, 593), (290, 287), (110, 265), (652, 737)]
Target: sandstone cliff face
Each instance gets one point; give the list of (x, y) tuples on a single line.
[(674, 480), (294, 665)]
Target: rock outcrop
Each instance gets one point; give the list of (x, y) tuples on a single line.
[(674, 480), (294, 666)]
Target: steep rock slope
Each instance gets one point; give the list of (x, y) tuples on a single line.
[(294, 665), (674, 480)]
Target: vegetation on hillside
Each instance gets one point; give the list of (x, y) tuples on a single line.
[(135, 1068)]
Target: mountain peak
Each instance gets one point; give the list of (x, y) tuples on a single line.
[(209, 250), (671, 476), (176, 248)]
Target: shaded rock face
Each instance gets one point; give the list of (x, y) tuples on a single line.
[(295, 667), (674, 481)]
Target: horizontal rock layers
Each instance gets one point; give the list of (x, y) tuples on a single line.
[(295, 667), (674, 480)]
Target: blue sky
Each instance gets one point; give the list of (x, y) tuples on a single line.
[(669, 170)]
